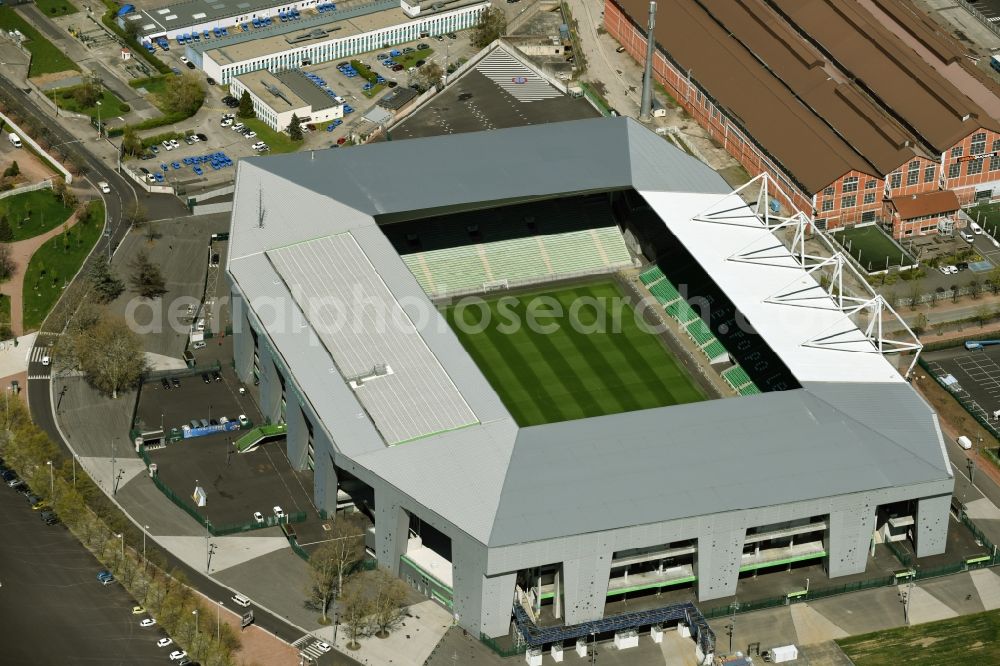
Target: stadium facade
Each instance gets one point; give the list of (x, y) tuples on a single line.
[(384, 403)]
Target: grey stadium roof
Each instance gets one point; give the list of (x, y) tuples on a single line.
[(493, 479)]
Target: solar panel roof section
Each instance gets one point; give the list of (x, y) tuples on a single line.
[(362, 326)]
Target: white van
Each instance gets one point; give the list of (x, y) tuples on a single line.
[(964, 442), (966, 236), (975, 228), (240, 600), (14, 139)]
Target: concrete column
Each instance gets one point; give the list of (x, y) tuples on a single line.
[(482, 604), (297, 437), (325, 483), (717, 563), (242, 340), (557, 596), (847, 540), (932, 525), (392, 529), (585, 586), (270, 385)]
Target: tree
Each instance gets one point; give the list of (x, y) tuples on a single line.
[(983, 314), (64, 194), (146, 278), (12, 171), (920, 324), (131, 142), (994, 280), (107, 285), (388, 594), (6, 233), (7, 264), (334, 560), (86, 95), (430, 74), (246, 106), (355, 607), (975, 288), (295, 128), (109, 354), (184, 94), (492, 25)]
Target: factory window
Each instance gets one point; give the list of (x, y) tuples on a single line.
[(868, 216), (827, 205), (850, 184), (978, 146), (848, 202), (870, 198), (956, 151), (913, 175), (974, 167), (996, 145), (895, 180), (929, 174), (994, 162), (953, 169), (871, 184), (828, 191)]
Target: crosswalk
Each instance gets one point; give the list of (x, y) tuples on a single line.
[(39, 377), (37, 353), (510, 74), (308, 645)]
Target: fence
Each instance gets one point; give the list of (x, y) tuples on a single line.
[(902, 556), (502, 651), (975, 412), (27, 188), (979, 16), (595, 99)]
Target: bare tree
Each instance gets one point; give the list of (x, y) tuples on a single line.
[(388, 594), (334, 560), (355, 607), (492, 25), (104, 348), (430, 74)]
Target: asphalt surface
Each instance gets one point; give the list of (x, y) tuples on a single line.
[(48, 588), (123, 193)]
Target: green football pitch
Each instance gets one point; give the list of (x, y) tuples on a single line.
[(581, 364)]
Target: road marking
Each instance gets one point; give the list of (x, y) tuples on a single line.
[(504, 70), (38, 352), (307, 645)]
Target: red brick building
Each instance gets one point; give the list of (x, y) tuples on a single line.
[(846, 104)]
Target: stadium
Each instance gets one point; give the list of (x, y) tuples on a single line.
[(562, 363)]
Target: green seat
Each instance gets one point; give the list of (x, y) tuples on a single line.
[(651, 275), (749, 389), (700, 332), (714, 349), (737, 377)]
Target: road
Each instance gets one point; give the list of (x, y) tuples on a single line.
[(123, 194), (48, 588)]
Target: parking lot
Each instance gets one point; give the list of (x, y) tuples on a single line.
[(977, 378), (49, 588), (237, 484)]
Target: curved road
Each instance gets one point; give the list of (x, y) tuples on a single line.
[(123, 194)]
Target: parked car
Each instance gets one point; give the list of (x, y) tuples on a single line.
[(190, 65), (210, 81), (279, 513), (962, 265), (216, 376), (177, 655), (50, 518), (198, 345), (165, 383), (148, 622), (251, 134), (258, 517), (104, 187), (176, 382), (138, 610), (167, 145), (201, 137), (205, 378), (164, 642)]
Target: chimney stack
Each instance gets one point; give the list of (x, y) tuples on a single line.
[(646, 103)]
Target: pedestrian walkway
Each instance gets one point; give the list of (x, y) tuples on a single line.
[(21, 253)]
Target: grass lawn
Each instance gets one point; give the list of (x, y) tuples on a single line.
[(33, 213), (577, 369), (278, 142), (45, 57), (971, 639), (111, 106), (56, 7), (5, 316), (374, 91), (408, 60), (155, 86), (870, 246), (55, 264), (987, 215)]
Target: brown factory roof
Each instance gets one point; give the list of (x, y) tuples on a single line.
[(805, 71), (801, 141), (861, 46), (924, 205)]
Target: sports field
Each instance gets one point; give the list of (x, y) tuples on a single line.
[(583, 363), (872, 248)]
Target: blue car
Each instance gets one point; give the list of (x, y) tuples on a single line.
[(159, 177), (176, 165), (197, 170), (165, 166)]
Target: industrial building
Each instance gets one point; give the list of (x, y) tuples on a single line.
[(330, 35), (198, 16), (278, 96), (337, 278), (848, 105)]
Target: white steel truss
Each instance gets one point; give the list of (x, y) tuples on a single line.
[(807, 290), (726, 211), (871, 339)]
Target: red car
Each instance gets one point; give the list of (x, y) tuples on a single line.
[(397, 68), (342, 140)]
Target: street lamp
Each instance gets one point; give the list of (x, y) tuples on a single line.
[(972, 470), (218, 623), (121, 537), (52, 482), (195, 613), (98, 119), (145, 528)]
